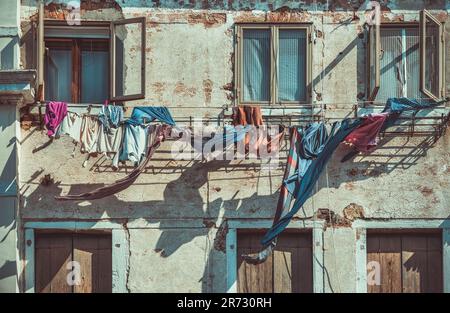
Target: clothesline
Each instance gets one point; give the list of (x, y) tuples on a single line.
[(268, 107)]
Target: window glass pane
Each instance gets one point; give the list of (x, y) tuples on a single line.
[(256, 64), (292, 65), (391, 70), (400, 65), (431, 56), (58, 74), (412, 63), (94, 71)]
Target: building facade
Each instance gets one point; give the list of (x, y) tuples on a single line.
[(377, 223)]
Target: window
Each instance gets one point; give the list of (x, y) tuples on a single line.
[(273, 64), (91, 62), (288, 268), (54, 251), (406, 60), (409, 261), (77, 70)]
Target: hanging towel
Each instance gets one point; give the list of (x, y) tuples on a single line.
[(134, 143), (71, 125), (110, 116), (247, 115), (142, 115), (54, 115), (225, 139), (365, 137), (338, 132), (156, 135), (90, 128), (262, 142), (110, 142)]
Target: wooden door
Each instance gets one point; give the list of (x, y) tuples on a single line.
[(52, 255), (55, 251), (410, 261), (288, 269)]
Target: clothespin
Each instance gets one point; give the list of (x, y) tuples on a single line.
[(106, 102)]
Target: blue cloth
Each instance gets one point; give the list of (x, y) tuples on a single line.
[(224, 139), (110, 116), (134, 143), (312, 142), (398, 105), (338, 132), (149, 114)]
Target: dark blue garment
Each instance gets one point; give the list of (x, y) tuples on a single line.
[(140, 115), (339, 131), (312, 142), (313, 139)]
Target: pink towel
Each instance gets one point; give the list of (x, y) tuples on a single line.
[(365, 137), (54, 115)]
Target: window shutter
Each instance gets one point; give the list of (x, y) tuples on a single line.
[(127, 83), (431, 56), (374, 54)]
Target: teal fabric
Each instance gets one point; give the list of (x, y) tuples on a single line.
[(305, 185), (256, 65), (292, 65)]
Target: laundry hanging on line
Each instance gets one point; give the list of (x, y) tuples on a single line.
[(156, 135), (143, 115), (55, 112), (110, 116), (366, 139), (299, 186)]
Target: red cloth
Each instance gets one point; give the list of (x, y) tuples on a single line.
[(55, 112), (365, 137)]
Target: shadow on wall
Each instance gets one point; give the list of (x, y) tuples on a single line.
[(186, 191)]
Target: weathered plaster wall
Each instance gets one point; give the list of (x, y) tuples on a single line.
[(189, 59)]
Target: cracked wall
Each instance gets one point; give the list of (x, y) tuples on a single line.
[(189, 67)]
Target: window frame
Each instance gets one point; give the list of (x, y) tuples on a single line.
[(371, 91), (238, 66), (112, 58), (74, 44), (88, 24), (424, 14)]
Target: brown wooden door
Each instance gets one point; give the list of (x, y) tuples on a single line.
[(53, 253), (409, 261), (288, 269)]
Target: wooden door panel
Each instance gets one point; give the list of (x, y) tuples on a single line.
[(93, 252), (253, 278), (390, 264), (53, 252), (52, 255), (410, 262), (288, 268)]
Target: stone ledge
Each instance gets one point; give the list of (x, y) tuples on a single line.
[(17, 87)]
